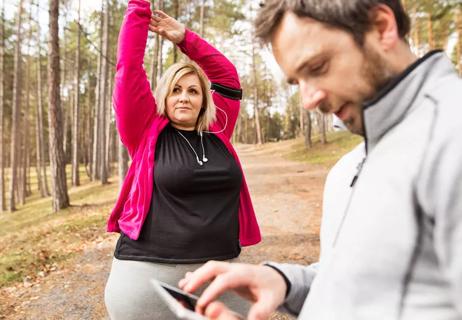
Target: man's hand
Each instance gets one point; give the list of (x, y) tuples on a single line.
[(167, 27), (262, 285)]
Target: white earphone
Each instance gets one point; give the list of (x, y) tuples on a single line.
[(226, 119)]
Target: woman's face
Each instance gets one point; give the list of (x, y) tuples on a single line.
[(184, 103)]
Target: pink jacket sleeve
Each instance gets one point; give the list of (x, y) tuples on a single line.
[(132, 98), (219, 70)]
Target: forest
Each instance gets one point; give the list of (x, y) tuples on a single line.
[(57, 65)]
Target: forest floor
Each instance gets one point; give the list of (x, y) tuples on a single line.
[(69, 281)]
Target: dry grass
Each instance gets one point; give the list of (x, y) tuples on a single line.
[(34, 240)]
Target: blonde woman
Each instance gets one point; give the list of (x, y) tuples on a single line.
[(184, 200)]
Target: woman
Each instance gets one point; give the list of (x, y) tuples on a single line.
[(184, 200)]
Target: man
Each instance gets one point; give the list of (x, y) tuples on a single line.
[(395, 251)]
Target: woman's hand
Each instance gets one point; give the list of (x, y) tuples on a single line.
[(167, 27)]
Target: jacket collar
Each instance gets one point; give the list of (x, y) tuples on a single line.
[(391, 104)]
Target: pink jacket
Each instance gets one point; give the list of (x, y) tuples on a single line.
[(139, 125)]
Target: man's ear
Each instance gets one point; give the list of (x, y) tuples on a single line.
[(384, 26)]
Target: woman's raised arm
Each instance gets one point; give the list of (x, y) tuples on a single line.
[(133, 101), (216, 66)]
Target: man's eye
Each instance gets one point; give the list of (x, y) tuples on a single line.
[(318, 68)]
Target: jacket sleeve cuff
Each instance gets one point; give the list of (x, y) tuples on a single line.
[(300, 279), (188, 38)]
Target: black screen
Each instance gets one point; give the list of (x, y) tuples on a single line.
[(188, 301)]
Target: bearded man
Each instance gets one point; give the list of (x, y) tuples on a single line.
[(393, 248)]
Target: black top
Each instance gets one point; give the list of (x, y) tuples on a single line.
[(194, 209)]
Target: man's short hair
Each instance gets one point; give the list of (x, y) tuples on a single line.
[(351, 15)]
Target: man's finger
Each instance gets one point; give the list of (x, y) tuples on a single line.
[(260, 311), (218, 311), (223, 282), (185, 280), (205, 273)]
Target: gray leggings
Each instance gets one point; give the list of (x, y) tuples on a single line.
[(129, 294)]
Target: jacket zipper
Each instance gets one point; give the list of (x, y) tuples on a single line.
[(347, 207)]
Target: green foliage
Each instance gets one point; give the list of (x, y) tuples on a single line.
[(339, 143), (432, 22), (292, 117)]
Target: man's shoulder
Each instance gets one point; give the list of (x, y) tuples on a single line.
[(346, 167), (352, 158), (446, 93), (444, 96)]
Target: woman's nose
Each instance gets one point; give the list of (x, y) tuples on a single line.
[(184, 96)]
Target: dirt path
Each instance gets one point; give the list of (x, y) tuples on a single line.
[(287, 199)]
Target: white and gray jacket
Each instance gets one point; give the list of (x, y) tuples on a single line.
[(391, 244)]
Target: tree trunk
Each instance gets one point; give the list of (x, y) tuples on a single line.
[(459, 41), (25, 150), (67, 106), (2, 106), (88, 124), (16, 110), (76, 117), (23, 141), (154, 57), (103, 100), (161, 45), (58, 167), (176, 14), (108, 135), (322, 127), (238, 130), (246, 130), (123, 162), (308, 129), (96, 116), (28, 182), (255, 97), (24, 154), (64, 102), (40, 141), (302, 117), (41, 180), (201, 19), (431, 41)]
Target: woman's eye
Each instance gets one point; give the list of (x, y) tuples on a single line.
[(176, 90), (193, 91)]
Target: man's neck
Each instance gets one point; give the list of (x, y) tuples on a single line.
[(401, 58)]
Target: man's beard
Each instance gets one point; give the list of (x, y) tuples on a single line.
[(377, 74)]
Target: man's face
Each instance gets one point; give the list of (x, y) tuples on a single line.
[(333, 72)]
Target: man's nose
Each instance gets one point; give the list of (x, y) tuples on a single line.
[(311, 95)]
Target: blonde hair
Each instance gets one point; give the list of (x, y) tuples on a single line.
[(167, 83)]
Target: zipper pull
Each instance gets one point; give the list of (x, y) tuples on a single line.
[(358, 168)]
